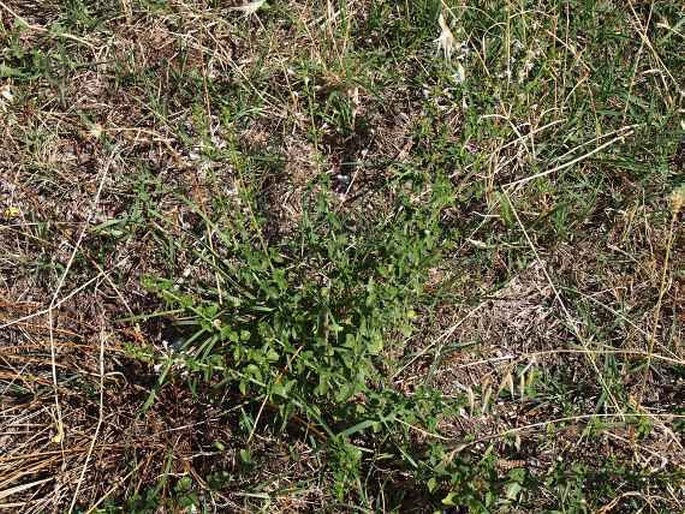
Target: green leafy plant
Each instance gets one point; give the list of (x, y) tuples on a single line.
[(302, 323)]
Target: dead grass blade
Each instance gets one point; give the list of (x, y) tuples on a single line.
[(23, 487)]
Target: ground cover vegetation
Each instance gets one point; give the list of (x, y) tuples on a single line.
[(342, 256)]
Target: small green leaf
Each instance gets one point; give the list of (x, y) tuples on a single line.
[(449, 500), (512, 490), (246, 456), (7, 71)]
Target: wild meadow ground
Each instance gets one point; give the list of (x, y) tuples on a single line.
[(342, 256)]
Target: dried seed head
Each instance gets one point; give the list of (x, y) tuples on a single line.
[(249, 8), (446, 41), (678, 200)]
